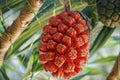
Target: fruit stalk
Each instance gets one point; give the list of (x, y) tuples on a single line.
[(18, 26), (68, 4)]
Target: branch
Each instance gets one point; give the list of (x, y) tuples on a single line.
[(18, 26), (115, 73)]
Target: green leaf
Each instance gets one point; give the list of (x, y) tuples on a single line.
[(88, 69), (96, 72), (30, 63), (11, 4), (109, 45), (110, 39), (9, 67), (36, 66), (79, 77), (24, 59), (28, 69), (103, 60), (101, 39), (3, 72), (0, 34), (92, 71), (2, 22)]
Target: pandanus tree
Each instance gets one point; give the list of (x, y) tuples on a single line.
[(60, 39)]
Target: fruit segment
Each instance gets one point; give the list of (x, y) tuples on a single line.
[(65, 43)]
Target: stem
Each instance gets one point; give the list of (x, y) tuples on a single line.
[(68, 4), (115, 73), (18, 26)]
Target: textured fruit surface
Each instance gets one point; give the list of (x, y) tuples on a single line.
[(109, 12), (64, 45)]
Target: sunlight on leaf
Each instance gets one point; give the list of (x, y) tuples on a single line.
[(103, 60), (6, 66), (109, 45), (93, 71)]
